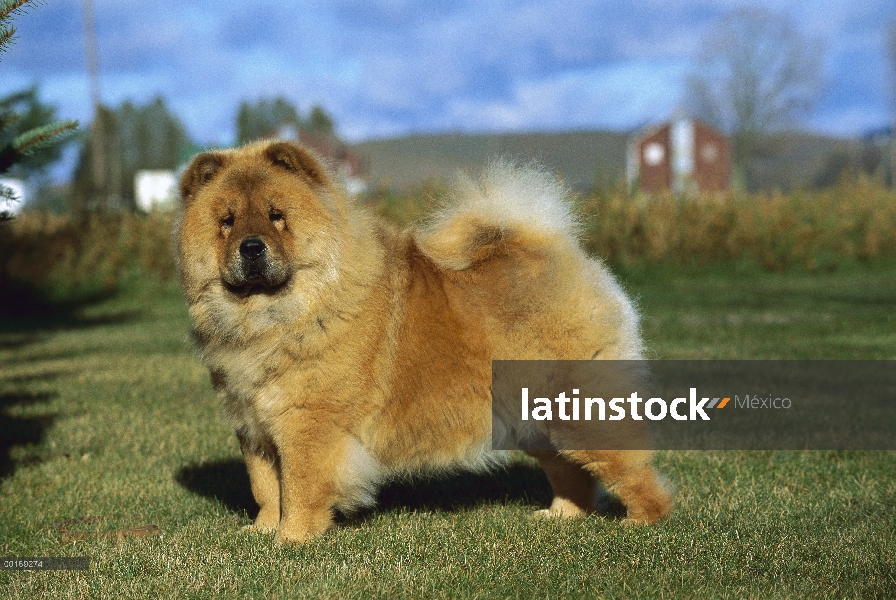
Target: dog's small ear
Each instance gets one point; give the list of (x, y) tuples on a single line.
[(201, 171), (296, 159)]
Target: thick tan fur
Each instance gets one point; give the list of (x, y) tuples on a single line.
[(349, 352)]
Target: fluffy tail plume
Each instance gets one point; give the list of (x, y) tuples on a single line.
[(507, 204)]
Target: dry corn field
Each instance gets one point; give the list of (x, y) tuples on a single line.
[(63, 255)]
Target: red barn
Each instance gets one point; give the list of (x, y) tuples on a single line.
[(683, 155)]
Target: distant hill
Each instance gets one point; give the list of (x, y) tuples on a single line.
[(583, 158), (804, 160), (580, 157)]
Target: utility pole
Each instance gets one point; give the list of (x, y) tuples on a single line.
[(891, 49), (98, 137)]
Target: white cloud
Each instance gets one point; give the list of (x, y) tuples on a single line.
[(391, 66), (618, 96)]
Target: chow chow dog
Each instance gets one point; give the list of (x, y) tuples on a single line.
[(346, 352)]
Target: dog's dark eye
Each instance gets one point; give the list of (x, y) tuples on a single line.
[(227, 222), (276, 215)]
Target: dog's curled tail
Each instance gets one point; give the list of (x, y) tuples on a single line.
[(507, 204)]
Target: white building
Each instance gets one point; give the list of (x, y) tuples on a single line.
[(155, 189)]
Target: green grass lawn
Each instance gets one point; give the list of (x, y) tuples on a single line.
[(106, 412)]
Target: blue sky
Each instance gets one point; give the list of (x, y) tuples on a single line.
[(393, 67)]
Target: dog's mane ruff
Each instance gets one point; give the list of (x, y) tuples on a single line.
[(507, 200)]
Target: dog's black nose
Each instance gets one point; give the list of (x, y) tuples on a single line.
[(252, 248)]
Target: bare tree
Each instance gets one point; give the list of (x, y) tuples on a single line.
[(755, 74)]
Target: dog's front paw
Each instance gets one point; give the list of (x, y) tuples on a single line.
[(292, 536), (258, 528), (265, 522), (629, 522), (298, 531), (560, 509)]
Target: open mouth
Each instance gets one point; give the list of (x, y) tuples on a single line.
[(255, 285)]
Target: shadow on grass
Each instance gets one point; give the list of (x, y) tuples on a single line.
[(20, 431), (27, 310), (26, 314), (228, 482)]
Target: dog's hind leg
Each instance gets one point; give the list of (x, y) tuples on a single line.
[(628, 475), (573, 486)]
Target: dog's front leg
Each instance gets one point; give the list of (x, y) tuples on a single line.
[(309, 446), (264, 477)]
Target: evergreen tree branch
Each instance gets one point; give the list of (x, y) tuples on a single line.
[(7, 197), (6, 34), (9, 119), (8, 8), (13, 7), (8, 157), (41, 137), (33, 140)]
